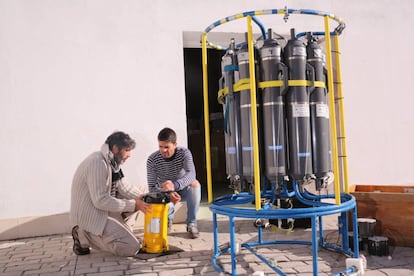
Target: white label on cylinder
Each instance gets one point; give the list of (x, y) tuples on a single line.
[(155, 225), (300, 110), (271, 52), (317, 53), (299, 51), (322, 110)]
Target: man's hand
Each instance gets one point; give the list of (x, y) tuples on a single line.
[(175, 197), (141, 205), (167, 186)]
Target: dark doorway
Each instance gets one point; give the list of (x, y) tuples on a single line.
[(195, 117)]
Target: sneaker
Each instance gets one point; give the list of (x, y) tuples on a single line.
[(77, 248), (193, 230)]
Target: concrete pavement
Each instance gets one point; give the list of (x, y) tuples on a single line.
[(52, 255)]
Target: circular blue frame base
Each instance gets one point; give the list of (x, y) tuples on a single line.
[(239, 206)]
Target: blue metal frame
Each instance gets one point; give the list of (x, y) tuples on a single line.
[(226, 205)]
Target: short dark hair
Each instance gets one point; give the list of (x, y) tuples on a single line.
[(121, 140), (167, 135)]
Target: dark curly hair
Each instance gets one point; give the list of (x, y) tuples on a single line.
[(121, 140)]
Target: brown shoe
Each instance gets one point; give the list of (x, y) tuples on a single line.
[(77, 248)]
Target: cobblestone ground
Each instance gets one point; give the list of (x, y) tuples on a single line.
[(52, 255)]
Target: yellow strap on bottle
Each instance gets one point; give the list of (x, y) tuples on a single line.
[(267, 84), (319, 84), (221, 94), (244, 84)]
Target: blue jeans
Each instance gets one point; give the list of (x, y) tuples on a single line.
[(191, 195)]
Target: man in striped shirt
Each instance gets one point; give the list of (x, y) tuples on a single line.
[(101, 200), (171, 168)]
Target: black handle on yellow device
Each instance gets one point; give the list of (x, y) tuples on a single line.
[(157, 197)]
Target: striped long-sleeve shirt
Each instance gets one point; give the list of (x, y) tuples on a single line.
[(91, 201), (179, 169)]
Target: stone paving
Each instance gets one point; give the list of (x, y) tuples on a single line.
[(52, 255)]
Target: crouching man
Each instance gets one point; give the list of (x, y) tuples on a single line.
[(102, 201)]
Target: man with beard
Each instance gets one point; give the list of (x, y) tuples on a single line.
[(102, 201)]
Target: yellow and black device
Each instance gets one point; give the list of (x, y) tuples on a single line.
[(156, 223)]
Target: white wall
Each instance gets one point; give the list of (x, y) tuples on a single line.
[(73, 71)]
